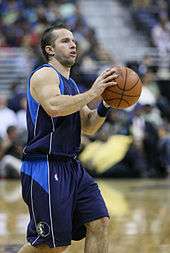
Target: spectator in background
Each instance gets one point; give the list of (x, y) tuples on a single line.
[(143, 14), (2, 40), (148, 99), (112, 152), (162, 7), (146, 139), (161, 35), (150, 89), (164, 149), (10, 152), (145, 64), (7, 116), (12, 142), (21, 115), (11, 135), (15, 100), (22, 23)]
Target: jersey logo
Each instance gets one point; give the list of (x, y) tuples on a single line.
[(43, 229)]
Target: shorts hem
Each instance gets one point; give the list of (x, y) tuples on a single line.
[(61, 244), (83, 221)]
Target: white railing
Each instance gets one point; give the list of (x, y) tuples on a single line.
[(15, 64)]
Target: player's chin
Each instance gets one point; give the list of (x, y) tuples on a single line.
[(70, 63)]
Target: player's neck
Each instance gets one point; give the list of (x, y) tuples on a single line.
[(64, 71)]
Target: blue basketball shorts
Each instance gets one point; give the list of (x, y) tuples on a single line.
[(61, 197)]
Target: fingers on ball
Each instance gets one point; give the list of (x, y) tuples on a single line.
[(111, 83), (110, 78), (108, 73)]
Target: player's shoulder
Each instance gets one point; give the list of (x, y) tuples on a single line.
[(44, 73)]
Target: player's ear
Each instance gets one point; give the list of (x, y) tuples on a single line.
[(50, 50)]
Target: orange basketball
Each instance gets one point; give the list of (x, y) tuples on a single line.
[(126, 92)]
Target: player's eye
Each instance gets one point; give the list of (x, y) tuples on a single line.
[(65, 40), (75, 42)]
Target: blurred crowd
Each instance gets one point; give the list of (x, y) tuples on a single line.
[(22, 22), (152, 18), (133, 142), (13, 132)]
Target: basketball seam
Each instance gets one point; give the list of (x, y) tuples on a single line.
[(133, 85), (129, 88), (123, 90), (121, 94), (117, 99)]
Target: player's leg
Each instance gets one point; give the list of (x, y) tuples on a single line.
[(27, 248), (50, 214), (90, 216), (97, 236)]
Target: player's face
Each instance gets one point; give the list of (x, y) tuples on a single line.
[(65, 47)]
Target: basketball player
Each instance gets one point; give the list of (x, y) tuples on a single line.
[(64, 201)]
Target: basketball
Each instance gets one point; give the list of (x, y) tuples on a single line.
[(126, 92)]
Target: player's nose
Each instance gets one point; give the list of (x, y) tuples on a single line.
[(72, 45)]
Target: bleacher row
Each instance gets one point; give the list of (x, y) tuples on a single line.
[(14, 67)]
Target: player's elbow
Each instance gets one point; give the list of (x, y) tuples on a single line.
[(53, 111), (89, 131)]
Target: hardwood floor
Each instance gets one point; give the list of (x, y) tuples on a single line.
[(139, 210)]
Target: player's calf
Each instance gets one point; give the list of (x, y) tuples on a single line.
[(97, 236), (98, 226)]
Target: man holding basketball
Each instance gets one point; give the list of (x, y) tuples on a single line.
[(64, 201)]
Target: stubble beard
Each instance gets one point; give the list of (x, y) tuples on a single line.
[(66, 62)]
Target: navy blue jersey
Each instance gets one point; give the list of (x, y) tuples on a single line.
[(52, 135)]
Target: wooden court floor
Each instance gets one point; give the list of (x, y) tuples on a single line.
[(139, 210)]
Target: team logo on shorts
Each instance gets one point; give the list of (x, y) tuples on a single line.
[(43, 229)]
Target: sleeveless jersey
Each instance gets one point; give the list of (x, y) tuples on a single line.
[(52, 135)]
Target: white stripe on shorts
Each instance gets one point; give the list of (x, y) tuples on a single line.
[(32, 204), (50, 211), (35, 240)]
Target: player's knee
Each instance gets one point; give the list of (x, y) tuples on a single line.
[(59, 250), (46, 249), (105, 221), (98, 226)]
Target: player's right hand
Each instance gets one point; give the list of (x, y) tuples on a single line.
[(107, 78)]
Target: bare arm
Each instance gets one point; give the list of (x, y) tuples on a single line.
[(44, 87), (90, 120)]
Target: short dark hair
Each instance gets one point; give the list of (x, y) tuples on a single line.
[(47, 37), (10, 129)]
